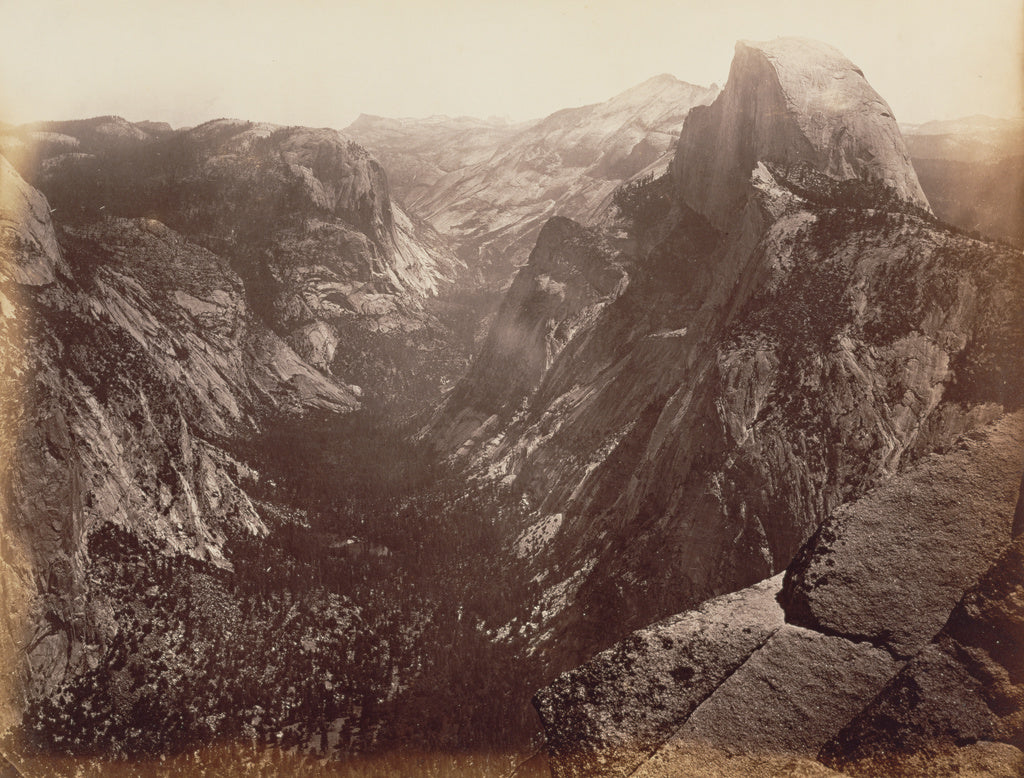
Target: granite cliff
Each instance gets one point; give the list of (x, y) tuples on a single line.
[(304, 216), (174, 296), (793, 327), (792, 102), (131, 361), (572, 274)]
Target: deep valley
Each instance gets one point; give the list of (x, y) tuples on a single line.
[(679, 434)]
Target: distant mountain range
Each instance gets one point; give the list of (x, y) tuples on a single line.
[(973, 172), (970, 139), (492, 186)]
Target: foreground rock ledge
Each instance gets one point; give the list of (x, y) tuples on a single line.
[(610, 714), (889, 567), (732, 680)]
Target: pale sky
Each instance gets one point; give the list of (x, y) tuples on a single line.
[(322, 63)]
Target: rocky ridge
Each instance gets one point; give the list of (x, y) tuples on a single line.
[(788, 342), (304, 216), (956, 706), (970, 139)]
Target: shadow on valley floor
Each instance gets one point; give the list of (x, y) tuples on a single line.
[(369, 622)]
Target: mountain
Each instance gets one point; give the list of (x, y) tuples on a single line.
[(304, 216), (566, 164), (133, 366), (417, 153), (303, 173), (172, 298), (973, 172), (733, 479), (789, 327), (794, 102), (571, 275)]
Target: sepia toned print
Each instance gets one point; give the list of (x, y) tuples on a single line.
[(676, 432)]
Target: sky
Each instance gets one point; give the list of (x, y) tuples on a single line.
[(322, 63)]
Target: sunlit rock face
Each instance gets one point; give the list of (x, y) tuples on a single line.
[(316, 194), (26, 231), (304, 217), (796, 327), (790, 102)]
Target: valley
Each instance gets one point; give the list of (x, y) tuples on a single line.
[(477, 447)]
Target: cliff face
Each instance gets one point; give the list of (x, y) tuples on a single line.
[(573, 273), (304, 217), (789, 102), (31, 250), (133, 365), (873, 682), (796, 329)]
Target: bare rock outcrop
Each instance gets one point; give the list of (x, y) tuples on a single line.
[(790, 102), (958, 705), (607, 716), (785, 693), (843, 582), (789, 698)]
